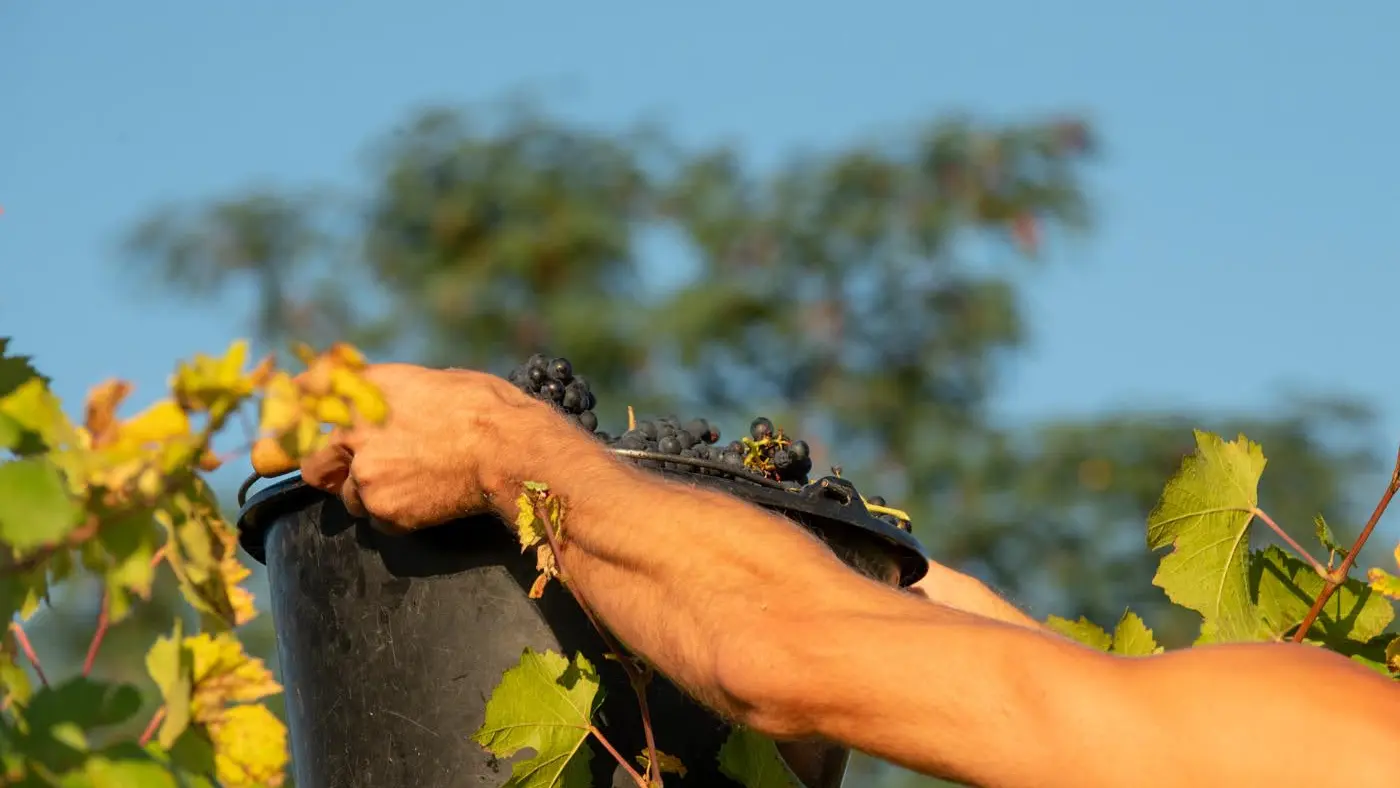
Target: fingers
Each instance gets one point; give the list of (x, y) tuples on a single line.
[(350, 495)]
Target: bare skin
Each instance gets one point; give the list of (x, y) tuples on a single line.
[(749, 613)]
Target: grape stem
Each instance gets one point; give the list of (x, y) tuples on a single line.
[(1339, 576), (103, 620), (635, 677), (151, 727), (28, 649), (607, 745), (1290, 541)]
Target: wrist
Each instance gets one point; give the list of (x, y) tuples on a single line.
[(537, 444)]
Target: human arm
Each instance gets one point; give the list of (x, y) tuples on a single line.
[(762, 622)]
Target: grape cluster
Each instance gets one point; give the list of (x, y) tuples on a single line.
[(554, 381), (766, 451)]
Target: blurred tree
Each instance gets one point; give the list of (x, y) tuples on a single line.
[(849, 292)]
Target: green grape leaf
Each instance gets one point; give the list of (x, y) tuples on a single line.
[(753, 760), (35, 505), (171, 665), (1285, 588), (59, 717), (545, 703), (1083, 631), (1204, 513), (1132, 638)]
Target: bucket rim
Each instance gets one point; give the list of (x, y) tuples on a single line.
[(260, 511)]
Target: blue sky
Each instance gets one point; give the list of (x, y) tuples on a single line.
[(1246, 202)]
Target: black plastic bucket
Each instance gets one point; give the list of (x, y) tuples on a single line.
[(391, 645)]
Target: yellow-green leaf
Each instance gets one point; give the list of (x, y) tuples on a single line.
[(544, 703), (171, 665), (1204, 514), (1132, 638), (1083, 631)]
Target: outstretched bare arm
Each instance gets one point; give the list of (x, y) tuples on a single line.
[(761, 621), (764, 623)]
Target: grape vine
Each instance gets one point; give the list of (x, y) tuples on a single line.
[(125, 499)]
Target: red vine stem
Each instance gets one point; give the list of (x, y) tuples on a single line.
[(634, 677), (103, 620), (1335, 579), (28, 649), (151, 727), (1290, 541), (607, 745)]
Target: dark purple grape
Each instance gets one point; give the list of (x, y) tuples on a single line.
[(537, 361), (686, 438), (572, 400), (537, 376), (669, 445), (761, 428), (782, 459), (552, 390), (647, 428), (561, 370), (875, 499), (588, 420), (800, 450)]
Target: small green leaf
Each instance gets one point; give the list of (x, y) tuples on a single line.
[(1083, 631), (35, 506), (1326, 537), (171, 665), (753, 760), (1392, 655), (1132, 638), (544, 703), (1204, 513)]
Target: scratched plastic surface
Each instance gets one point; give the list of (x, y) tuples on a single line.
[(389, 647)]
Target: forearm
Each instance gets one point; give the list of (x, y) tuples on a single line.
[(674, 569), (759, 620)]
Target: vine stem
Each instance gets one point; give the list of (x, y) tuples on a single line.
[(634, 676), (28, 649), (151, 727), (1290, 541), (1336, 578), (104, 619), (607, 745)]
